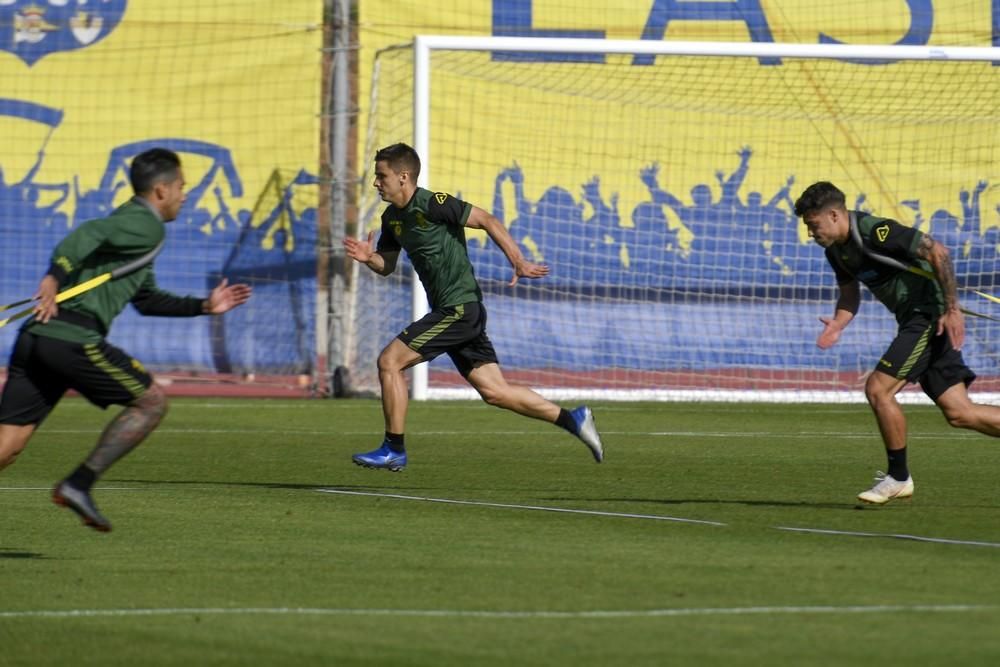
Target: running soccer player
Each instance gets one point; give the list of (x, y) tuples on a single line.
[(429, 226), (913, 276), (63, 347)]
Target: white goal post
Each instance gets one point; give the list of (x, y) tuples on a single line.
[(647, 300)]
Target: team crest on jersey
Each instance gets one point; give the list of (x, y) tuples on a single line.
[(397, 227), (882, 233), (440, 197)]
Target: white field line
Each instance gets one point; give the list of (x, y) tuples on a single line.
[(898, 536), (620, 515), (500, 614), (657, 517), (537, 508)]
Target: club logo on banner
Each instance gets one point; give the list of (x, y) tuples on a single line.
[(40, 27)]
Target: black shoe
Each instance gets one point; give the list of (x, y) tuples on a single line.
[(80, 502)]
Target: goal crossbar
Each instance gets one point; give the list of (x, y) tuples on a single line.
[(423, 44)]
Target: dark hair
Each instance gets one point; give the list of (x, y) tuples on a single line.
[(400, 157), (149, 168), (819, 196)]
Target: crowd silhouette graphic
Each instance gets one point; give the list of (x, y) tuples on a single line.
[(714, 239)]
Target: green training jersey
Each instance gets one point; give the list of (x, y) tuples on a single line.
[(97, 247), (902, 292), (431, 229)]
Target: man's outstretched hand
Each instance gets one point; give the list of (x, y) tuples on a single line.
[(225, 297), (526, 269)]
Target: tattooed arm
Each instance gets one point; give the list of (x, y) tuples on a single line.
[(952, 321)]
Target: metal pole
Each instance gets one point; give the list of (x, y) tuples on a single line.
[(339, 110)]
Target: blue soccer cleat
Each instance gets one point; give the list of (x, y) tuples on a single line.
[(383, 457), (586, 430)]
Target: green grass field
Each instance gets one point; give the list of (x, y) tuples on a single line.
[(229, 547)]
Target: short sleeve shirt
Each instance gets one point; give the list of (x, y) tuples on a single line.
[(431, 229), (902, 292)]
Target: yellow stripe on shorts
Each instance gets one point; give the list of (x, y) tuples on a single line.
[(917, 351), (438, 328), (133, 386)]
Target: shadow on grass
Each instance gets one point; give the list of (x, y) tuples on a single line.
[(291, 486), (19, 555), (374, 488)]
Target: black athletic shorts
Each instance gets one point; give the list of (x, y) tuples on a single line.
[(42, 369), (458, 330), (918, 355)]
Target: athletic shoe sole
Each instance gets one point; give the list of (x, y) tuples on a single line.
[(371, 466), (866, 501)]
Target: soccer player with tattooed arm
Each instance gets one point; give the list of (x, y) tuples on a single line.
[(430, 227), (63, 345), (913, 276)]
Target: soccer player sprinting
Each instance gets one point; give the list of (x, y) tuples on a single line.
[(63, 347), (913, 276), (429, 226)]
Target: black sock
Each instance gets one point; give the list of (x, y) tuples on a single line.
[(897, 464), (82, 478), (395, 442), (566, 421)]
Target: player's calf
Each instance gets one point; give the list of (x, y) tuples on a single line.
[(128, 429)]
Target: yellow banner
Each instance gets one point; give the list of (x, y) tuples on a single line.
[(622, 136), (233, 86)]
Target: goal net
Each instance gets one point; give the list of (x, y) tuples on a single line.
[(232, 87), (656, 180)]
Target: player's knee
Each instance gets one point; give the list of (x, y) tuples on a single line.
[(493, 396), (153, 402), (876, 395), (8, 453), (383, 364), (387, 363), (12, 442), (7, 460), (871, 396), (959, 417)]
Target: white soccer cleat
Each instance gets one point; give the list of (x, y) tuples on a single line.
[(886, 488)]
